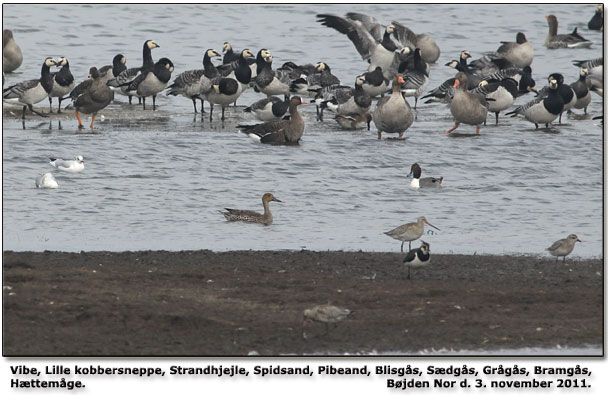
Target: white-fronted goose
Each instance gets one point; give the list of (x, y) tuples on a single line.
[(409, 232), (542, 109), (47, 181), (407, 38), (151, 83), (31, 92), (96, 97), (426, 182), (393, 113), (121, 82), (75, 165), (286, 131), (499, 94), (63, 83), (597, 20), (251, 216), (11, 53), (583, 96), (366, 34), (572, 40), (195, 84), (467, 107), (417, 257), (269, 109)]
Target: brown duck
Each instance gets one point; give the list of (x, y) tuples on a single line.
[(252, 216)]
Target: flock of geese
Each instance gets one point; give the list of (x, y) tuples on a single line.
[(395, 55)]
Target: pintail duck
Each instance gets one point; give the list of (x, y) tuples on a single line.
[(326, 314), (252, 216), (572, 40), (11, 53), (94, 98), (31, 92), (409, 232), (393, 113), (543, 109), (195, 84), (354, 121), (563, 247), (71, 166), (63, 83), (467, 107), (583, 96), (426, 182), (47, 181), (597, 20), (286, 131), (417, 257), (121, 82)]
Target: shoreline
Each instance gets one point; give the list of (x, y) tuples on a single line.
[(233, 303)]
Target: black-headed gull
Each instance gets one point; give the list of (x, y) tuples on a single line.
[(71, 166), (46, 181)]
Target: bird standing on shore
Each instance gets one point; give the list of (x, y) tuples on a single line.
[(326, 314), (563, 247), (409, 232), (418, 257)]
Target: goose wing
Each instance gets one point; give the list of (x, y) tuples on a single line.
[(355, 30), (404, 35)]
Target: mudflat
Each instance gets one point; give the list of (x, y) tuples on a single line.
[(205, 303)]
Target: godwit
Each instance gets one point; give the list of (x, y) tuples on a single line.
[(409, 232)]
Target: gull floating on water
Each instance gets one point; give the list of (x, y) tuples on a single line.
[(46, 181), (71, 166)]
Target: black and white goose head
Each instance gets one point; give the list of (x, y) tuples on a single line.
[(212, 53), (49, 62), (452, 63), (553, 83), (559, 78), (151, 44), (320, 66), (226, 47), (390, 29), (359, 81), (246, 53), (583, 73), (464, 55), (119, 59), (62, 61)]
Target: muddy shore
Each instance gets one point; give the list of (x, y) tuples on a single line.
[(202, 303)]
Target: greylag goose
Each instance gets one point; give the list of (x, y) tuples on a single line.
[(251, 216), (366, 34), (63, 83), (269, 109), (543, 109), (11, 53), (285, 131), (417, 257), (325, 314), (194, 84), (499, 94), (75, 165), (409, 232), (407, 38), (597, 20), (151, 83), (416, 79), (121, 82), (583, 96), (47, 181), (393, 113), (563, 247), (572, 40), (467, 107), (31, 92), (354, 121), (426, 182), (96, 97)]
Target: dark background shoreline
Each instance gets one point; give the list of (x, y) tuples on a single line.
[(203, 303)]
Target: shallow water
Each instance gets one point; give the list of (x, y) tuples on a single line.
[(157, 180)]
